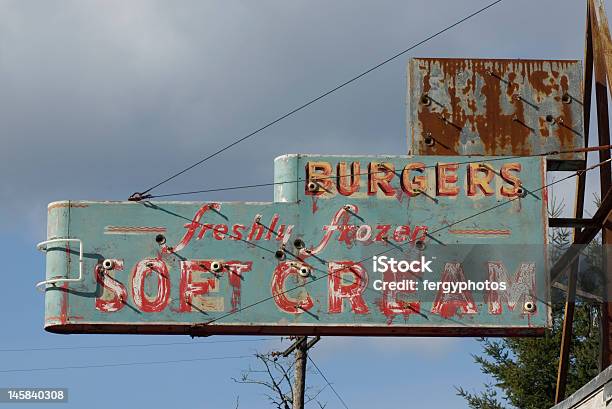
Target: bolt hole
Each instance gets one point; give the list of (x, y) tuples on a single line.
[(429, 140), (108, 264), (160, 239), (279, 254), (550, 118), (420, 245), (312, 186), (216, 266), (566, 98), (521, 192), (299, 244), (425, 100), (529, 306), (304, 271)]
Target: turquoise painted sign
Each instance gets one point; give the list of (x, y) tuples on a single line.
[(361, 245)]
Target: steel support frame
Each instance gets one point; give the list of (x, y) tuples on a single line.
[(598, 58)]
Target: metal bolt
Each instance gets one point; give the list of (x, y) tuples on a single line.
[(216, 266), (279, 254), (566, 98), (420, 245), (529, 306), (429, 140), (312, 186), (160, 239), (108, 264), (304, 271), (299, 243)]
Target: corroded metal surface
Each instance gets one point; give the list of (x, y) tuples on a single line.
[(149, 267), (496, 107)]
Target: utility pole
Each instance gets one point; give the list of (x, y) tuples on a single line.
[(299, 383), (301, 347)]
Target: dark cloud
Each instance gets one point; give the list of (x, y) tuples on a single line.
[(100, 99)]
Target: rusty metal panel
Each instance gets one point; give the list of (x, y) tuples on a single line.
[(496, 107), (303, 264)]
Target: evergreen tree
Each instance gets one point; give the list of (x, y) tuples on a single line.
[(524, 370)]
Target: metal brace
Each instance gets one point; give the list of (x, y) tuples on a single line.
[(42, 246)]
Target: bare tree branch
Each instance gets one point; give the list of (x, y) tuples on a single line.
[(276, 377)]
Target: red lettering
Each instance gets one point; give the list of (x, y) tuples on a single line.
[(353, 291), (279, 292), (448, 304), (446, 178), (479, 176), (194, 286), (141, 270), (376, 180), (191, 228), (518, 290), (114, 299), (237, 231), (220, 231), (346, 187), (391, 304), (513, 180), (418, 183), (320, 173), (383, 229)]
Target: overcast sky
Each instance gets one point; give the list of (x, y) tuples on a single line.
[(99, 99)]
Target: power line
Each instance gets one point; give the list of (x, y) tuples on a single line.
[(328, 383), (134, 345), (143, 195), (258, 185), (57, 368)]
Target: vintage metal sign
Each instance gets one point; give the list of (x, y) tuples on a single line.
[(362, 245), (460, 106)]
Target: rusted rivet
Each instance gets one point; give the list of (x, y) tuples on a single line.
[(108, 264), (420, 245), (312, 186), (429, 140), (425, 100), (550, 119), (566, 98), (560, 120), (515, 118), (298, 243), (529, 306), (160, 239)]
